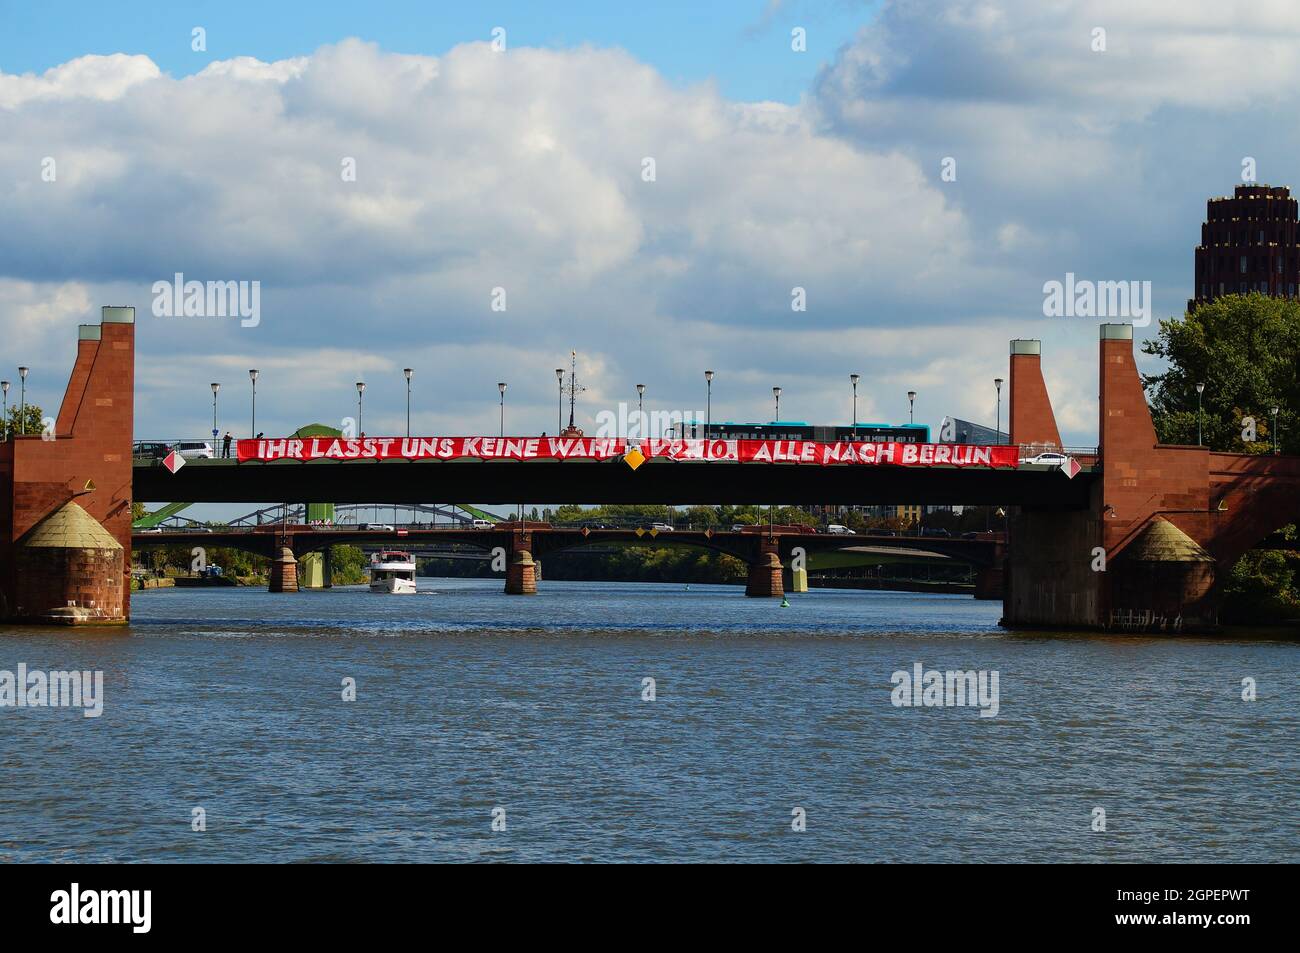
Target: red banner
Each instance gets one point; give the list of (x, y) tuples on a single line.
[(602, 448)]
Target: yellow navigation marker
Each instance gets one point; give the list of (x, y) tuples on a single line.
[(640, 531), (634, 458)]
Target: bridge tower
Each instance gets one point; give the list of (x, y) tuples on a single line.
[(77, 471)]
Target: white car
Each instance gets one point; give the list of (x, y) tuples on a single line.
[(835, 529), (480, 524), (195, 450), (1050, 459), (661, 528)]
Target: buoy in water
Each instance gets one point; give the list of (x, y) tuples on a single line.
[(785, 603)]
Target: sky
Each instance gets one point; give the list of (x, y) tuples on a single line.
[(519, 176)]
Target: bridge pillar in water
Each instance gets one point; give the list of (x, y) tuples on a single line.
[(765, 572), (795, 580), (988, 583), (84, 457), (521, 571), (311, 571), (284, 572)]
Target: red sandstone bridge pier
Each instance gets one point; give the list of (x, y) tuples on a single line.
[(1139, 539)]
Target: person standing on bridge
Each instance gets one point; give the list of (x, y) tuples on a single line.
[(225, 446)]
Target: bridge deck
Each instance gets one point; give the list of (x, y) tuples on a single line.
[(603, 481)]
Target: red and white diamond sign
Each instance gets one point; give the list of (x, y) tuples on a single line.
[(1071, 467), (173, 461)]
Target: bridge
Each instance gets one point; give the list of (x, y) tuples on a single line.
[(768, 550), (1139, 538)]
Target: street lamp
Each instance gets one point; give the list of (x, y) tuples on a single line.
[(408, 371), (708, 402), (997, 382), (215, 387), (776, 392), (559, 414), (1200, 389), (1275, 409), (252, 376), (361, 389), (22, 413), (853, 379), (502, 388), (4, 386), (911, 406), (640, 410)]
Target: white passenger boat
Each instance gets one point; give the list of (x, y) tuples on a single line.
[(392, 571)]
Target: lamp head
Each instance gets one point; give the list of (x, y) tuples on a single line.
[(559, 373), (640, 389), (22, 372), (501, 386), (911, 395), (252, 375), (1200, 388), (708, 376), (215, 387), (854, 378), (361, 386), (408, 371), (997, 382)]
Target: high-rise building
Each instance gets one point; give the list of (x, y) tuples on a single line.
[(1249, 242)]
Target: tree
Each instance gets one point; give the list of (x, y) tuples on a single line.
[(1246, 350), (34, 420)]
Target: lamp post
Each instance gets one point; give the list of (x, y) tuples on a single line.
[(853, 379), (4, 386), (361, 389), (502, 388), (708, 402), (252, 377), (776, 392), (1200, 389), (911, 406), (22, 413), (408, 371), (640, 410), (1275, 409), (997, 382), (559, 413), (215, 387)]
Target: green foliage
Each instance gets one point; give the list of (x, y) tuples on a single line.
[(35, 419), (1262, 588), (1246, 350), (348, 565)]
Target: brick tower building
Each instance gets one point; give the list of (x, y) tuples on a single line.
[(1249, 242)]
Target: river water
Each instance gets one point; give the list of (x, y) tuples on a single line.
[(473, 706)]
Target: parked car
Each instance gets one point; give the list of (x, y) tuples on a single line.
[(1049, 459), (835, 529), (195, 450), (660, 528), (155, 450)]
